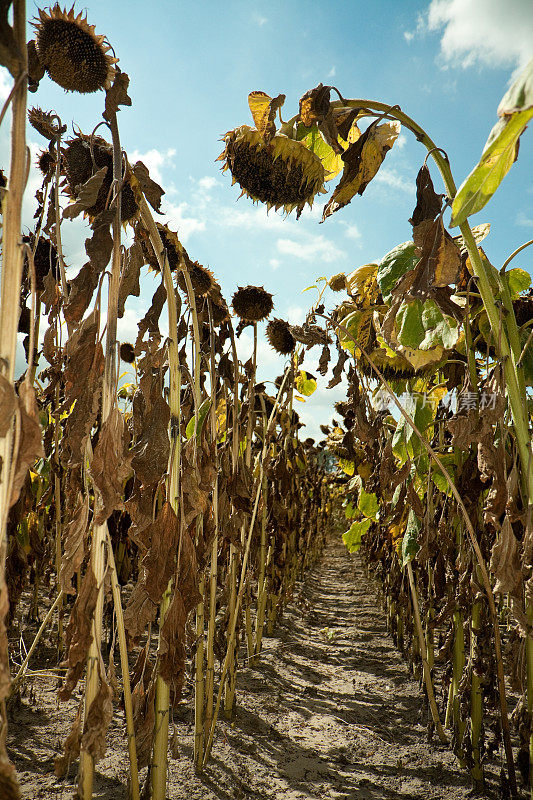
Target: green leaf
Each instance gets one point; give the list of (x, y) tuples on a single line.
[(520, 94), (352, 537), (405, 442), (347, 466), (368, 504), (409, 542), (409, 321), (202, 414), (497, 158), (437, 476), (305, 383), (518, 280), (393, 265), (312, 139)]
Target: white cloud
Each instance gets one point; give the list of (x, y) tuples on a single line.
[(352, 231), (296, 314), (274, 263), (484, 32), (523, 220), (207, 183), (395, 181), (332, 72), (400, 142), (408, 36), (314, 247), (155, 160), (260, 20), (6, 84), (180, 215)]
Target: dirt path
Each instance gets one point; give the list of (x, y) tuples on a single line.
[(330, 712)]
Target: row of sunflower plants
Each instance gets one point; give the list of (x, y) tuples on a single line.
[(175, 511), (440, 485)]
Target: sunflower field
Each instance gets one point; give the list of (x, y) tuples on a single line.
[(153, 532)]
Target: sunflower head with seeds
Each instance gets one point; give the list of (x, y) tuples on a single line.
[(270, 167), (70, 51)]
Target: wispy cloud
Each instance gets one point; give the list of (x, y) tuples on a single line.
[(332, 72), (352, 231), (394, 180), (155, 160), (260, 20), (313, 247), (523, 220)]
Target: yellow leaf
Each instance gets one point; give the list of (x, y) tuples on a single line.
[(264, 109)]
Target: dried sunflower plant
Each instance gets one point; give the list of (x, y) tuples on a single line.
[(156, 509)]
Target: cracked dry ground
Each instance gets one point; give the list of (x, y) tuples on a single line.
[(320, 717)]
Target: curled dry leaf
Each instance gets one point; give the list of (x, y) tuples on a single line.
[(129, 282), (97, 720), (428, 203), (8, 404), (86, 195), (30, 439), (263, 109), (362, 161), (151, 190), (111, 465), (324, 360), (315, 106), (74, 543), (71, 746), (161, 540), (338, 368), (79, 633), (505, 562), (117, 95)]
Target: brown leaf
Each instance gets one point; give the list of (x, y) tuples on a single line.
[(440, 259), (129, 282), (9, 785), (30, 439), (309, 334), (264, 109), (151, 190), (51, 294), (111, 465), (5, 675), (324, 360), (81, 290), (74, 543), (86, 195), (100, 246), (144, 720), (315, 107), (428, 204), (362, 160), (35, 68), (156, 569), (10, 55), (117, 95), (150, 453), (79, 635), (8, 404), (97, 721), (338, 368), (505, 562), (71, 746), (171, 651), (151, 318)]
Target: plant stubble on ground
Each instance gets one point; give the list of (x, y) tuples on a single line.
[(331, 712)]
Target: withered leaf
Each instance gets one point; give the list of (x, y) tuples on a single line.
[(5, 676), (50, 296), (81, 290), (264, 108), (144, 720), (97, 721), (151, 190), (338, 368), (100, 246), (129, 282), (428, 204), (117, 95), (30, 439), (324, 360), (8, 404), (440, 258), (35, 68), (71, 746), (505, 562), (10, 55), (74, 543), (171, 651), (362, 160), (111, 465), (86, 195), (150, 453), (315, 107), (151, 318), (79, 635), (310, 334)]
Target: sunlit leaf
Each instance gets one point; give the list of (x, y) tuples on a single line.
[(263, 109), (305, 383), (368, 504), (312, 139), (409, 542), (394, 265), (191, 425), (347, 466), (352, 537), (518, 280)]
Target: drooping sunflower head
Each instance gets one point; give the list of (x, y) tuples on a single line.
[(202, 279), (337, 282), (74, 56), (84, 156), (46, 162), (280, 337), (252, 303), (127, 352), (44, 122), (282, 173)]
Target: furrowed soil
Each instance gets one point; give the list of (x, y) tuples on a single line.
[(331, 711)]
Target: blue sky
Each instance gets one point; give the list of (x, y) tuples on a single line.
[(446, 63)]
